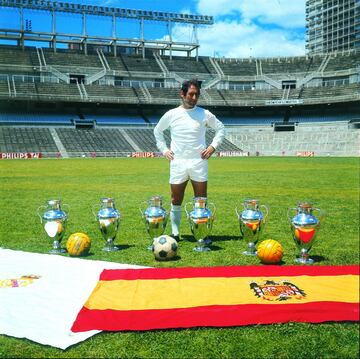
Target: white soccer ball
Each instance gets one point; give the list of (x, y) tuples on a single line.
[(164, 248)]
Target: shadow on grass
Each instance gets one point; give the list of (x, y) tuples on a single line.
[(225, 238), (191, 238), (124, 246), (187, 238), (281, 263), (175, 259), (215, 248), (317, 258), (119, 248)]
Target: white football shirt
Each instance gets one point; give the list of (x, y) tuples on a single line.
[(188, 129)]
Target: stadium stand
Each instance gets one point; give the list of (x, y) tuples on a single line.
[(345, 61), (67, 66), (74, 142), (291, 65), (116, 120), (138, 64), (113, 102), (58, 91), (319, 138), (101, 140), (251, 120), (111, 93), (4, 88), (61, 57), (237, 67), (187, 67), (35, 119), (13, 55), (26, 139)]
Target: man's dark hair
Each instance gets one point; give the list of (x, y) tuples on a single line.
[(187, 83)]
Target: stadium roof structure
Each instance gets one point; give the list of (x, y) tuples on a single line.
[(24, 34)]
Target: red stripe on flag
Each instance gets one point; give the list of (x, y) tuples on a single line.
[(214, 316), (228, 271)]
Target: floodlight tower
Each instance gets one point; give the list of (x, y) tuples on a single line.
[(54, 7)]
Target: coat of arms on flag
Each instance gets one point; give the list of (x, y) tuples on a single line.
[(22, 281), (271, 290)]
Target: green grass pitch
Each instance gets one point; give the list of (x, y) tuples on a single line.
[(278, 182)]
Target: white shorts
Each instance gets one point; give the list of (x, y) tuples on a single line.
[(183, 169)]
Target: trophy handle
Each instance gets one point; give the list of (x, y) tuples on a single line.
[(66, 206), (321, 214), (121, 206), (38, 213), (237, 212), (185, 207), (266, 212), (142, 211), (214, 208)]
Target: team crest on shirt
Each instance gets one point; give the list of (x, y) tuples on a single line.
[(22, 281), (277, 291)]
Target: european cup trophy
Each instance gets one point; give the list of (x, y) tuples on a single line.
[(201, 220), (108, 218), (304, 228), (54, 220), (155, 218), (252, 222)]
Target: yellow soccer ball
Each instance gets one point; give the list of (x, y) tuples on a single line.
[(270, 251), (78, 244)]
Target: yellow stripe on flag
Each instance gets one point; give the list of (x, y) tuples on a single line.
[(148, 294)]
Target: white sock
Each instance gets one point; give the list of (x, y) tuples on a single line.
[(175, 218)]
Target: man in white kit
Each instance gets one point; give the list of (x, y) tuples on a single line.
[(188, 153)]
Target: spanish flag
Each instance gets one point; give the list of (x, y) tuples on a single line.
[(159, 298)]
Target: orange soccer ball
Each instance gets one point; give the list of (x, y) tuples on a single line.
[(270, 251), (78, 244)]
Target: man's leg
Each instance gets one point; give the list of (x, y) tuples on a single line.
[(177, 196), (200, 188)]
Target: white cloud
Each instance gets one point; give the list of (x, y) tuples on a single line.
[(283, 13), (231, 39), (257, 28)]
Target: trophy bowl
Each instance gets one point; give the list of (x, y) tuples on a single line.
[(201, 220), (108, 218), (252, 222), (155, 218), (53, 220), (304, 227)]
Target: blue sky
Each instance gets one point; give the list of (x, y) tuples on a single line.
[(242, 28)]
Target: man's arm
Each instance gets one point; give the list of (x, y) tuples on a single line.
[(162, 125), (219, 128), (205, 154)]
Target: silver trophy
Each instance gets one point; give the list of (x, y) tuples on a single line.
[(155, 218), (54, 220), (201, 220), (252, 222), (108, 218), (304, 228)]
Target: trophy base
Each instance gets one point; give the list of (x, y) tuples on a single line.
[(304, 260), (201, 249), (248, 253), (110, 249), (57, 251)]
